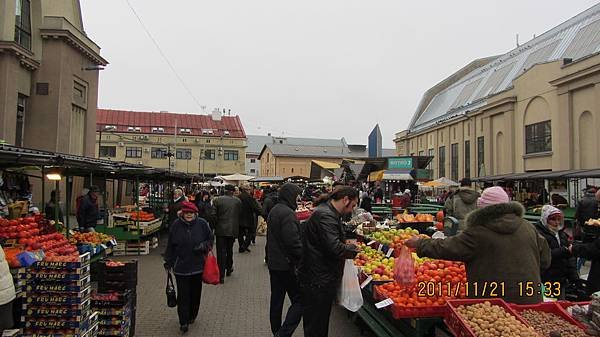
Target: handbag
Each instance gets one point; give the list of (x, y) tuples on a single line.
[(170, 290), (211, 274)]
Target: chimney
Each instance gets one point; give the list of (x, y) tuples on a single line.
[(269, 134), (216, 115)]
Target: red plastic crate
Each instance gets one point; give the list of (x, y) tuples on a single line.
[(565, 304), (459, 327), (550, 307), (399, 312)]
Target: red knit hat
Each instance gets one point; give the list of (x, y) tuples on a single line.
[(188, 207)]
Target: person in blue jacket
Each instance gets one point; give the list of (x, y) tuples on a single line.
[(190, 239)]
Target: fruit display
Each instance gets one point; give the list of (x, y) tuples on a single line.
[(486, 319), (548, 324), (406, 217), (92, 238), (142, 216), (23, 228), (374, 263), (395, 238)]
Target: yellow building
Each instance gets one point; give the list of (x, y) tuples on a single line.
[(288, 160), (535, 108), (207, 145)]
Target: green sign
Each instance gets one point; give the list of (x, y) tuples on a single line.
[(400, 163)]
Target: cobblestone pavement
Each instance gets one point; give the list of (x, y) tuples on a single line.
[(240, 307)]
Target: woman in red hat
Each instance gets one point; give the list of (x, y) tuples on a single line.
[(190, 239)]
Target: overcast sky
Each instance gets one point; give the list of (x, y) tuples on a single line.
[(328, 68)]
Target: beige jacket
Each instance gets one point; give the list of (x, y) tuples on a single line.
[(7, 288)]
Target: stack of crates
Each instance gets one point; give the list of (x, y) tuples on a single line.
[(116, 298), (56, 300)]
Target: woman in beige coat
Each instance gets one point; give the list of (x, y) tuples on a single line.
[(7, 294)]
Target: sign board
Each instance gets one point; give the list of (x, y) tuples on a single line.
[(400, 163)]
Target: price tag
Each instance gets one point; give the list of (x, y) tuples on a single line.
[(385, 303), (103, 246), (366, 282), (380, 248), (389, 252), (371, 242)]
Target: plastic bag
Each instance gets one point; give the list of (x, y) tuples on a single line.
[(404, 268), (211, 274), (349, 294)]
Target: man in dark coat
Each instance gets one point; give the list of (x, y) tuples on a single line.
[(87, 212), (227, 209), (285, 252), (459, 204), (563, 267), (324, 254), (271, 199), (587, 208), (498, 246), (249, 212), (590, 251)]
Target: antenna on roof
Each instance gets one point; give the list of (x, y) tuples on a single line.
[(203, 107), (517, 40)]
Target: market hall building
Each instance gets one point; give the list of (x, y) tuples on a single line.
[(535, 108), (48, 77)]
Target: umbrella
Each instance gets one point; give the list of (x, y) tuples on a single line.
[(237, 177), (441, 182)]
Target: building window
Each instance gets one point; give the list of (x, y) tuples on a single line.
[(209, 154), (20, 131), (454, 161), (431, 154), (252, 171), (230, 155), (183, 154), (253, 161), (480, 156), (133, 152), (292, 170), (467, 159), (23, 23), (538, 137), (158, 153), (108, 151), (442, 161), (268, 157), (184, 140), (79, 94)]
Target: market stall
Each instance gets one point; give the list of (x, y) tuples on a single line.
[(429, 297)]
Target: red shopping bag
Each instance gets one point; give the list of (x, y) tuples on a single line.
[(211, 270)]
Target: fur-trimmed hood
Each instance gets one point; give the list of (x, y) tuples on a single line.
[(502, 218)]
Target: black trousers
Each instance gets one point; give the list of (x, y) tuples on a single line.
[(189, 292), (245, 237), (316, 305), (283, 282), (225, 253)]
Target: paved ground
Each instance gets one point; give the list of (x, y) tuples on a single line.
[(237, 308)]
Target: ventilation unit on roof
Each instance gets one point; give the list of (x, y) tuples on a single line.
[(130, 128), (110, 128), (226, 133), (137, 129)]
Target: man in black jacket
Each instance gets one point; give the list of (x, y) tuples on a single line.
[(249, 211), (284, 252), (324, 254), (87, 212), (587, 207)]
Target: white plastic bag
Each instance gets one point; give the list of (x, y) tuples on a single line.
[(349, 294)]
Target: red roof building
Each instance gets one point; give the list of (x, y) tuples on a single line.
[(166, 122)]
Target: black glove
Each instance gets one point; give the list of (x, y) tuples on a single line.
[(167, 266)]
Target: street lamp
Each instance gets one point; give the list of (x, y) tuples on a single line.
[(54, 174)]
